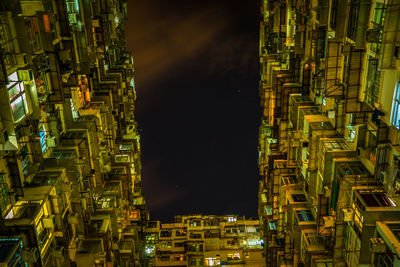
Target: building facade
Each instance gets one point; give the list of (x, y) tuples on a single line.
[(329, 152), (70, 173), (200, 240)]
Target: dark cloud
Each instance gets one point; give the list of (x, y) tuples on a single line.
[(165, 41), (196, 71)]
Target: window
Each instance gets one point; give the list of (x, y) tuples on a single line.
[(125, 147), (383, 260), (179, 257), (268, 210), (211, 234), (273, 225), (304, 216), (150, 237), (377, 199), (358, 219), (4, 199), (25, 159), (42, 234), (395, 228), (165, 234), (353, 19), (212, 261), (165, 244), (379, 13), (180, 232), (152, 224), (333, 14), (195, 235), (234, 256), (395, 115), (195, 261), (195, 247), (46, 23), (164, 258), (211, 222), (16, 95), (195, 223), (373, 81), (73, 14), (231, 219), (377, 22), (299, 198), (6, 43), (43, 134), (179, 245), (288, 180)]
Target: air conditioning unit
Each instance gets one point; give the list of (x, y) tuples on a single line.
[(314, 201), (322, 63), (48, 222), (4, 136), (96, 23), (58, 252), (329, 221), (30, 255), (348, 215), (383, 177), (373, 35), (305, 163), (73, 219), (377, 245), (327, 191), (51, 141), (21, 59)]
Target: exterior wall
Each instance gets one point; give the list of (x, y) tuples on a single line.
[(343, 62), (70, 171), (209, 241)]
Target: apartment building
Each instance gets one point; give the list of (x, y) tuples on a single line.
[(329, 154), (200, 240), (70, 173)]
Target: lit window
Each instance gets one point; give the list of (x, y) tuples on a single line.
[(212, 261), (149, 250), (165, 244), (125, 147), (46, 23), (395, 115), (43, 134), (305, 216), (179, 257), (16, 95), (150, 237), (195, 223), (358, 218), (351, 133), (231, 219), (268, 210), (234, 256), (273, 226), (377, 24)]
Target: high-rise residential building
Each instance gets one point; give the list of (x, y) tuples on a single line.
[(70, 172), (329, 138), (205, 240)]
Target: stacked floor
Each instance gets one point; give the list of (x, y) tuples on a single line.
[(70, 173), (329, 138)]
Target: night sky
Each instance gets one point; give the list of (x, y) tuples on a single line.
[(196, 76)]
